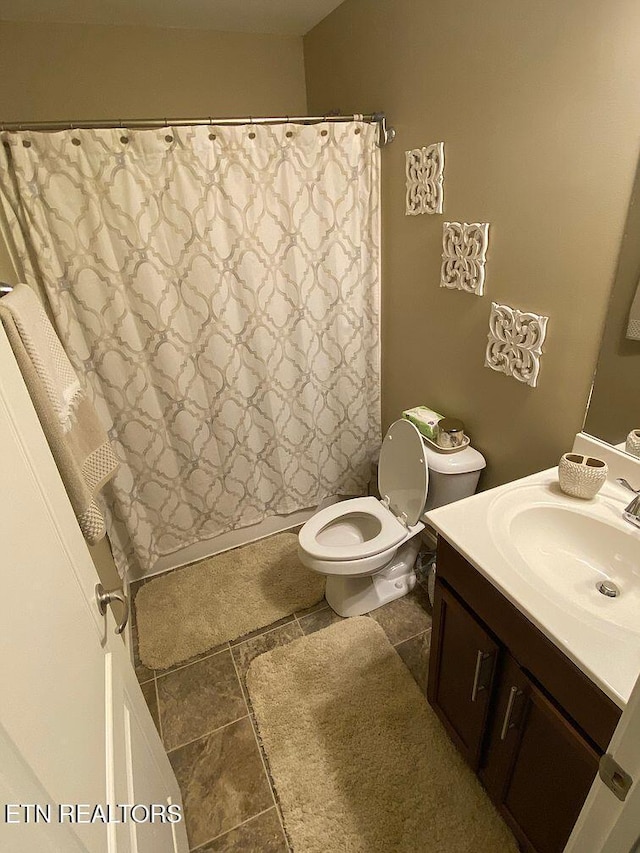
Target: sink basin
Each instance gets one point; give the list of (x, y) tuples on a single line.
[(566, 548)]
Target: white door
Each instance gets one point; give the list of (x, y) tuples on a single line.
[(75, 733), (607, 824)]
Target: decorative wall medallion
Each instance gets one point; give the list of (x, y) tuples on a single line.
[(464, 254), (515, 343), (425, 171)]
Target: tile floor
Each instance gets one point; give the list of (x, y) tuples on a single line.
[(202, 713)]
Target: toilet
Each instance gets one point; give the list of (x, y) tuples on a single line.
[(367, 547)]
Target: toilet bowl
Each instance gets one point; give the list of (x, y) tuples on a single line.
[(367, 547)]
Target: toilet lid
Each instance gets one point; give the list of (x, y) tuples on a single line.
[(403, 473)]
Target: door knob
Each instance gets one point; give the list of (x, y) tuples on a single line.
[(105, 598)]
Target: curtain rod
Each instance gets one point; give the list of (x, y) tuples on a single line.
[(385, 134)]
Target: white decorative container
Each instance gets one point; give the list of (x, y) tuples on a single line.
[(515, 342), (464, 255), (632, 445), (424, 169), (581, 476)]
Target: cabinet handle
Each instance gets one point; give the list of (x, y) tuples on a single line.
[(477, 687), (506, 723)]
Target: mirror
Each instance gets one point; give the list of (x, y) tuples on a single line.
[(614, 406)]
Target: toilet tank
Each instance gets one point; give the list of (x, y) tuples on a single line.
[(452, 476)]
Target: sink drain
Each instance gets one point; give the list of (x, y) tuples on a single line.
[(608, 588)]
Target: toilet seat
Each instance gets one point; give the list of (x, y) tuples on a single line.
[(391, 532), (367, 548), (358, 528), (403, 472), (359, 536)]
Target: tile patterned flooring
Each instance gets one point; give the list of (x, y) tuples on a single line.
[(202, 712)]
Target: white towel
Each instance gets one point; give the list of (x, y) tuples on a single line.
[(78, 442), (633, 326), (45, 351)]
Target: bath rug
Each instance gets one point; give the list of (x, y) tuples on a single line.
[(191, 610), (359, 761)]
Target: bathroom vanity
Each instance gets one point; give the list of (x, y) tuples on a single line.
[(527, 720), (530, 677)]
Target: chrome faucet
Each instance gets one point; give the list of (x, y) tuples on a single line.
[(631, 513)]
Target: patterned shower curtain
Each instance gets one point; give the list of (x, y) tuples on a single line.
[(218, 290)]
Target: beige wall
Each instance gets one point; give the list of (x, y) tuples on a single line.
[(67, 71), (614, 409), (72, 71), (538, 106)]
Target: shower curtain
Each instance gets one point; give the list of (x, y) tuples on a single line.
[(218, 290)]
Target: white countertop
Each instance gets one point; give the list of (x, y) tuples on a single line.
[(607, 653)]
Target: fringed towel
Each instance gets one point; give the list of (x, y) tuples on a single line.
[(633, 326), (70, 423)]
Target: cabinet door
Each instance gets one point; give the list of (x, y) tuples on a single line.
[(538, 767), (461, 671)]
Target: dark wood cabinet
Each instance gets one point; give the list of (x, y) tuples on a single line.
[(489, 676), (466, 649), (537, 768)]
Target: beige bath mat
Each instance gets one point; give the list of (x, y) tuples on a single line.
[(196, 608), (359, 760)]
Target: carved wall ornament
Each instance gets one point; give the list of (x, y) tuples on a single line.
[(464, 255), (515, 343), (425, 173)]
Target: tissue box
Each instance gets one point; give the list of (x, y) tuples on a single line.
[(424, 419)]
